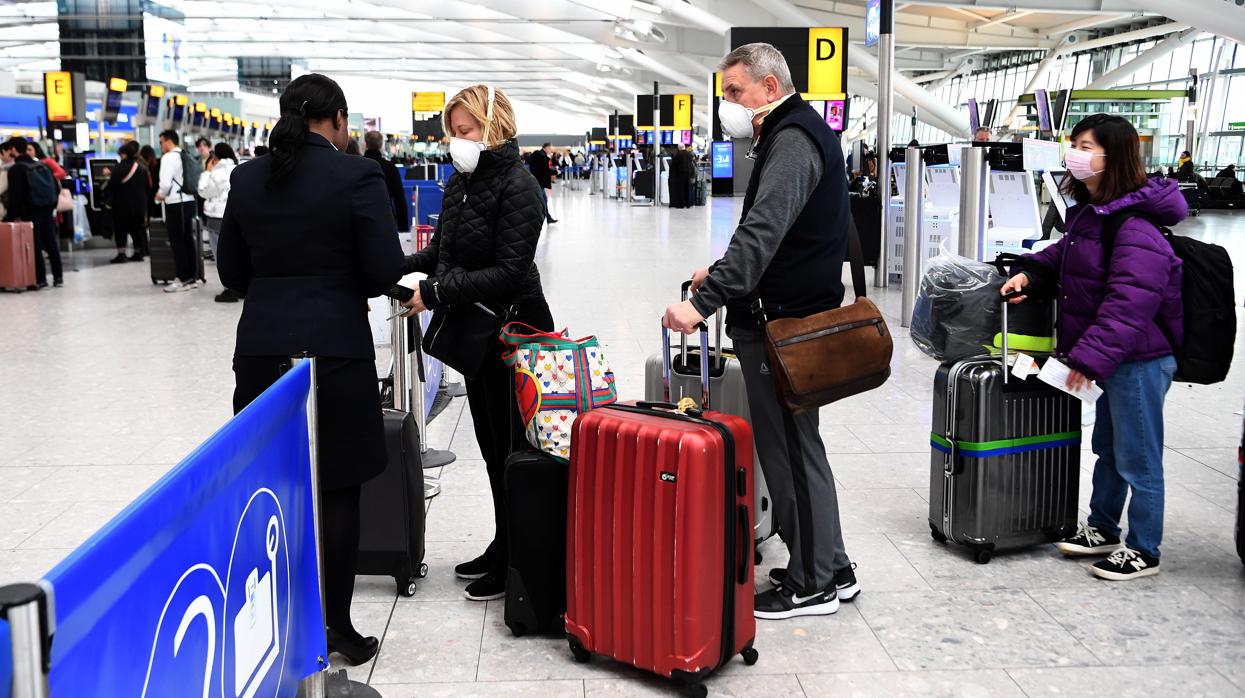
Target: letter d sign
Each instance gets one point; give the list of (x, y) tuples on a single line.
[(826, 68)]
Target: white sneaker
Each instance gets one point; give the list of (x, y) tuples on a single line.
[(193, 284), (178, 286)]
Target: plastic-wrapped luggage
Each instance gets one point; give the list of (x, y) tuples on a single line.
[(956, 314)]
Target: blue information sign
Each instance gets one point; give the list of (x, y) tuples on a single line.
[(723, 159), (873, 22), (207, 584)]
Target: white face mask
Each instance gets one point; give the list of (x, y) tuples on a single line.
[(464, 152), (1080, 163), (737, 119)]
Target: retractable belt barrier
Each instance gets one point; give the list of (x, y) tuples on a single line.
[(208, 584)]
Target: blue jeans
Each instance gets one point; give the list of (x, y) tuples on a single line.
[(1128, 440)]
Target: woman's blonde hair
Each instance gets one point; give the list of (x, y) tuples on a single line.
[(475, 100)]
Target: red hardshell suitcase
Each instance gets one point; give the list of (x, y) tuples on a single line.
[(17, 256), (659, 537)]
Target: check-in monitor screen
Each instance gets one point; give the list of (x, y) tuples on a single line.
[(723, 159)]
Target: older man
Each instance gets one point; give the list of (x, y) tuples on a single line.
[(788, 254)]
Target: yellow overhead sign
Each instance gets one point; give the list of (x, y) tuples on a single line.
[(682, 112), (215, 113), (58, 96), (182, 100), (156, 91), (427, 101), (117, 84), (201, 107), (826, 66)]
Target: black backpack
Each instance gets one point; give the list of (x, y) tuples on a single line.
[(44, 191), (1209, 301)]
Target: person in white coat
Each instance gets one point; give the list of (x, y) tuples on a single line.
[(214, 189)]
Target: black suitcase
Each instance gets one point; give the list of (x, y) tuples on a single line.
[(536, 495), (163, 268), (1005, 461), (391, 526), (1240, 503)]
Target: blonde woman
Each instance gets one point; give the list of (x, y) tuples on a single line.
[(482, 252)]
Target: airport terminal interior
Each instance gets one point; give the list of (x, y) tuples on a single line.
[(117, 380)]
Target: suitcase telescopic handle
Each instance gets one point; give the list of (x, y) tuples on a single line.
[(717, 325), (704, 364), (1007, 298)]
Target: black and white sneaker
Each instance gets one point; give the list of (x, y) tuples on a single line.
[(486, 588), (1088, 541), (844, 581), (474, 569), (780, 603), (1125, 564)]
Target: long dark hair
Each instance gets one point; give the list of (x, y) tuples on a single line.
[(129, 151), (311, 96), (223, 151), (1124, 172)]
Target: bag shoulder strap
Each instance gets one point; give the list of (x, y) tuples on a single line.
[(1110, 229)]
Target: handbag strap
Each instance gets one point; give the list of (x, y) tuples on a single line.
[(855, 256)]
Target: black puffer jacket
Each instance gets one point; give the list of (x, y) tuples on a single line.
[(485, 242)]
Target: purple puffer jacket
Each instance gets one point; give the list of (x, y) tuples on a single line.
[(1111, 316)]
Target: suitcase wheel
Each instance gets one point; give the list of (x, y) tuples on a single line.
[(982, 556), (750, 656), (580, 654), (936, 534), (423, 568), (406, 588)]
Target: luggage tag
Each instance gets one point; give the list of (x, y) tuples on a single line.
[(1024, 366)]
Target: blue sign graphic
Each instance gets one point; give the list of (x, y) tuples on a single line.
[(723, 159), (6, 658), (207, 584), (873, 22)]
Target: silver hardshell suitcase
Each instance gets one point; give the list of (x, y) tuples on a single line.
[(727, 384), (1005, 457)]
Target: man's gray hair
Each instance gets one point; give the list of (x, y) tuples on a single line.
[(760, 60)]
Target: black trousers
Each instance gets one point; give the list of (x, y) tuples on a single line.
[(180, 221), (132, 227), (44, 224), (490, 397)]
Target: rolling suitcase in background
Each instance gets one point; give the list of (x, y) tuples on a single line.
[(163, 268), (17, 256), (726, 381), (659, 545), (391, 523), (535, 487), (1005, 461)]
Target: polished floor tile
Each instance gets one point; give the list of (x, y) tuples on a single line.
[(107, 382)]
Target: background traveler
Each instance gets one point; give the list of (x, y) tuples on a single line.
[(542, 169), (483, 252), (177, 182), (308, 236), (31, 196), (375, 140), (1120, 316), (789, 248), (214, 189), (129, 187)]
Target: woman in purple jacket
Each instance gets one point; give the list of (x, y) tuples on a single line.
[(1120, 316)]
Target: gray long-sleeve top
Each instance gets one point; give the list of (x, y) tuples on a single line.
[(791, 172)]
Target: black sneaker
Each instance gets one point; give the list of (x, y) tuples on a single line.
[(228, 296), (486, 588), (1088, 541), (1125, 564), (58, 283), (135, 258), (780, 603), (845, 582), (119, 259), (475, 569)]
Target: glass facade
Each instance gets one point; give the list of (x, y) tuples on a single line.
[(1220, 105)]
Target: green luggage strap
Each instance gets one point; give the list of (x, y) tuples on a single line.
[(1026, 342), (1005, 447)]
